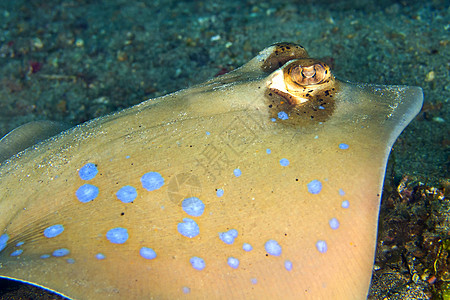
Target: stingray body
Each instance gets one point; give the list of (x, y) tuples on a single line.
[(263, 183)]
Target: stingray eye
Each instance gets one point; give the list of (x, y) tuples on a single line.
[(310, 74), (303, 80)]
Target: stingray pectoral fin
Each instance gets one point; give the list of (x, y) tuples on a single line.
[(389, 108), (27, 135), (259, 184)]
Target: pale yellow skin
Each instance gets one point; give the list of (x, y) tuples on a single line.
[(268, 201)]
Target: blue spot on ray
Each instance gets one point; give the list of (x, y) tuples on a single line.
[(334, 223), (219, 192), (284, 162), (345, 204), (20, 244), (152, 181), (147, 253), (88, 171), (86, 193), (343, 146), (321, 246), (44, 256), (17, 252), (314, 187), (273, 248), (126, 194), (61, 252), (288, 265), (228, 236), (247, 247), (70, 260), (237, 172), (100, 256), (188, 228), (233, 262), (186, 290), (254, 281), (53, 231), (268, 151), (193, 206), (3, 240), (117, 235), (197, 263), (282, 115)]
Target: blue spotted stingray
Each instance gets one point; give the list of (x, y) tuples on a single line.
[(263, 183)]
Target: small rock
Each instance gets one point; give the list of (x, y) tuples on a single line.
[(79, 42), (438, 120), (37, 43), (430, 76)]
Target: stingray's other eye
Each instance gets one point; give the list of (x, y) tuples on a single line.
[(309, 74)]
